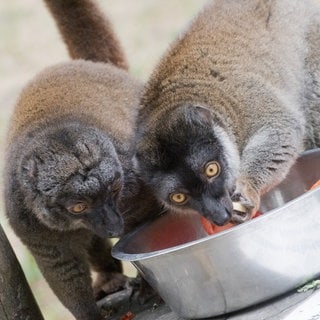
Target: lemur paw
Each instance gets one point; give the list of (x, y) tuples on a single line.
[(109, 283), (246, 202), (146, 292)]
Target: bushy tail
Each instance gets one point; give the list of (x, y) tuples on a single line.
[(87, 32)]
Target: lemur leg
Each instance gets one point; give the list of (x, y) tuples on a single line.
[(312, 91), (67, 272), (109, 270), (265, 162)]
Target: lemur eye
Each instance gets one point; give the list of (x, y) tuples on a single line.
[(212, 169), (79, 207), (178, 198)]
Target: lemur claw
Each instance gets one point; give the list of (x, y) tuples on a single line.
[(246, 202)]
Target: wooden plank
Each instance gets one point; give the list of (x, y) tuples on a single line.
[(309, 309), (272, 310), (275, 309), (16, 299)]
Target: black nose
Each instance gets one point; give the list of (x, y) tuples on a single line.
[(218, 211), (114, 224), (105, 222), (221, 218)]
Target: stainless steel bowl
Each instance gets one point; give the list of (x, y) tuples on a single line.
[(202, 276)]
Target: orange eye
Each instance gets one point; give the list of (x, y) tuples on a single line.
[(178, 198), (212, 169), (77, 208)]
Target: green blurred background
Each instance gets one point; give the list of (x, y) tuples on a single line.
[(29, 41)]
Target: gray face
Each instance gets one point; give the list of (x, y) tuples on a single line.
[(186, 165), (72, 177), (195, 179)]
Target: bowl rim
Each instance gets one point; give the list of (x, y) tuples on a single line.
[(117, 250)]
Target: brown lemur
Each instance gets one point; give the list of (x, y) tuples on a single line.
[(231, 105), (69, 179)]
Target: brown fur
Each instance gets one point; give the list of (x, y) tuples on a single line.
[(92, 92), (254, 65), (90, 36), (70, 140)]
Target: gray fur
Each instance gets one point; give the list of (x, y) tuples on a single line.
[(254, 67)]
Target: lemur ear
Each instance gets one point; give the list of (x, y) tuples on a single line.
[(198, 114), (28, 173), (192, 114), (204, 113), (29, 167), (206, 116)]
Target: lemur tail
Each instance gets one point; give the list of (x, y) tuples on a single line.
[(87, 32)]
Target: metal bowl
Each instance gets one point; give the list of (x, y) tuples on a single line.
[(202, 276)]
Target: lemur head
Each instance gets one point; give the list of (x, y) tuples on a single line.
[(72, 178), (191, 163)]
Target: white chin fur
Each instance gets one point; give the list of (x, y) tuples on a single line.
[(231, 153), (230, 149)]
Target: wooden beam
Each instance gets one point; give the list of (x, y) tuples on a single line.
[(16, 299)]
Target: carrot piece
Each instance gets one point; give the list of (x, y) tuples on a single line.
[(207, 225), (212, 228), (315, 185), (257, 214), (128, 316)]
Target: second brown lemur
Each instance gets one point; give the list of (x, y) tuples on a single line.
[(69, 181)]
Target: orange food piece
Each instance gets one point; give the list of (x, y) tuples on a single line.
[(257, 214), (212, 228), (315, 185), (128, 316)]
